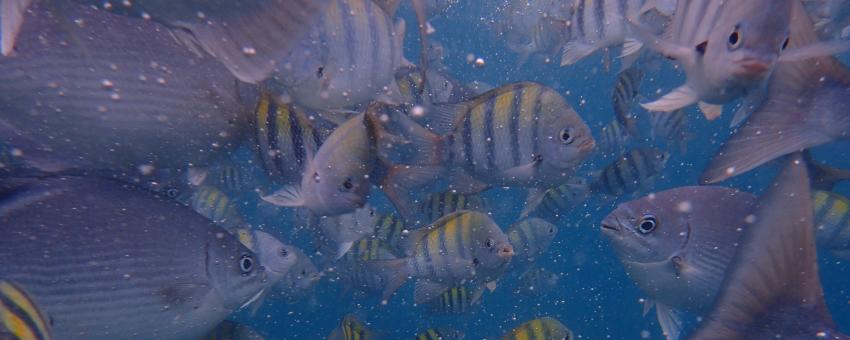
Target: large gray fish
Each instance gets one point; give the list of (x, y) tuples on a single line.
[(92, 253), (772, 289), (676, 246), (347, 60), (249, 37), (728, 50), (142, 99), (804, 108)]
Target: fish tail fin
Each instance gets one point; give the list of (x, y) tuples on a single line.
[(288, 196), (401, 180), (11, 19), (243, 43), (824, 177), (772, 285), (575, 51), (394, 273)]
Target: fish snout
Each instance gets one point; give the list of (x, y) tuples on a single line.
[(587, 145), (505, 252), (752, 68), (610, 224)]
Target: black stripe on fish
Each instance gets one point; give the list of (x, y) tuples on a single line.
[(489, 140)]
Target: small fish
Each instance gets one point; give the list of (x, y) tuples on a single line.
[(625, 92), (558, 201), (348, 59), (634, 171), (440, 204), (392, 230), (213, 204), (20, 316), (231, 330), (615, 138), (440, 333), (530, 238), (545, 39), (670, 127), (156, 278), (532, 28), (277, 258), (340, 232), (227, 175), (455, 300), (832, 222), (538, 282), (351, 328), (803, 109), (545, 328), (474, 249), (769, 296), (353, 267), (299, 281)]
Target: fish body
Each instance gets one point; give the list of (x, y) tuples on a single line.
[(299, 281), (615, 138), (625, 92), (353, 267), (545, 328), (670, 127), (348, 59), (440, 204), (144, 100), (277, 258), (392, 230), (832, 222), (342, 231), (107, 249), (213, 204), (532, 28), (440, 333), (230, 330), (530, 238), (595, 25), (634, 171), (20, 316), (351, 328), (455, 300), (556, 202)]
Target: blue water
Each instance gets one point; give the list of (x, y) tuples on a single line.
[(595, 298)]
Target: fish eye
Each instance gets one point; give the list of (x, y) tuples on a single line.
[(246, 264), (172, 192), (489, 243), (647, 224), (735, 39), (284, 252), (320, 72), (566, 136), (785, 43), (316, 177), (551, 230), (348, 184)]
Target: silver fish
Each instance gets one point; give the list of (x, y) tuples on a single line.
[(670, 127), (143, 101), (299, 281), (340, 232), (111, 273)]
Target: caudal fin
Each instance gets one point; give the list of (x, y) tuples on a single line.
[(772, 288)]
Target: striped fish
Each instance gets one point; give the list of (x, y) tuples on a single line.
[(230, 330), (347, 60), (530, 238), (670, 127), (614, 138), (353, 268), (625, 92), (213, 204), (598, 24), (20, 317), (455, 300), (440, 334), (634, 171), (439, 204), (337, 234), (463, 246), (545, 328), (832, 222), (392, 230), (285, 138), (556, 202), (351, 328)]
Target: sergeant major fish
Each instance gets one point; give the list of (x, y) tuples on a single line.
[(545, 328), (530, 238), (636, 170), (20, 316), (625, 91)]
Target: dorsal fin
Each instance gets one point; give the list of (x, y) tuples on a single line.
[(772, 288)]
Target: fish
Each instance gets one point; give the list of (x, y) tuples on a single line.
[(392, 230), (556, 202), (832, 222), (440, 333), (342, 231), (440, 204), (537, 282), (353, 267), (615, 138), (522, 134), (822, 176), (228, 175), (20, 317), (347, 59), (625, 91), (530, 238), (284, 137), (729, 50), (299, 281), (351, 328), (231, 330), (277, 258), (475, 249), (234, 35), (801, 111), (677, 247), (215, 205), (338, 177), (634, 171), (670, 127), (545, 328), (115, 275), (144, 101), (455, 300), (769, 296), (534, 28)]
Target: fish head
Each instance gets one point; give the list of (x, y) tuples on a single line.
[(304, 275), (440, 87), (277, 258), (540, 232), (235, 271), (491, 247), (565, 138), (647, 230), (745, 44)]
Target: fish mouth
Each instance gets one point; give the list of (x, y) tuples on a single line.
[(587, 145), (752, 68), (611, 224), (506, 252)]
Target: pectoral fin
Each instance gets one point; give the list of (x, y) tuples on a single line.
[(680, 97)]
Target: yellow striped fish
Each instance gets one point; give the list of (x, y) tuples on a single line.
[(636, 170), (20, 317), (351, 328), (625, 92), (530, 238), (392, 230), (556, 202), (284, 139), (545, 328), (832, 222), (440, 333), (353, 268), (455, 300), (463, 246), (213, 204), (229, 330), (439, 204)]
